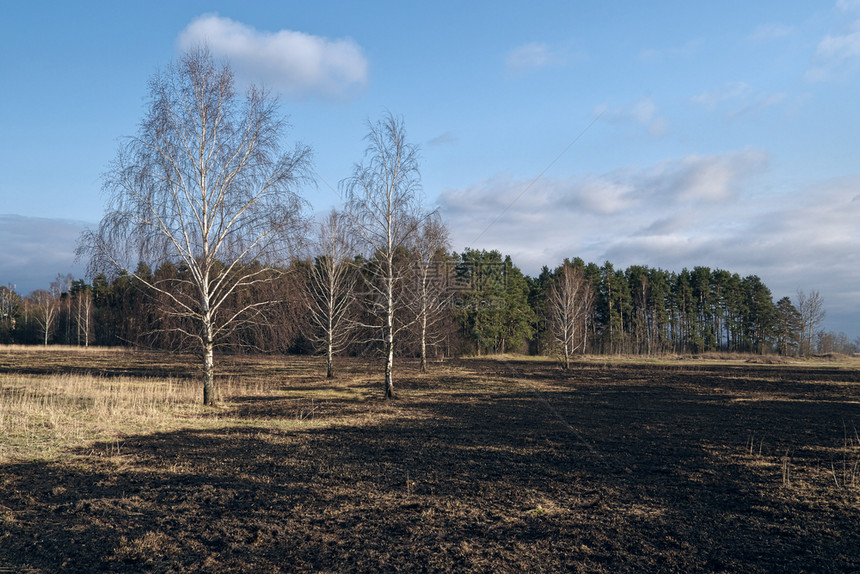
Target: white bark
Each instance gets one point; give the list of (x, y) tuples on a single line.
[(331, 285), (570, 301), (428, 296), (205, 186), (382, 207)]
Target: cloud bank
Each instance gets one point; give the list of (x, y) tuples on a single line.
[(295, 64), (689, 211), (36, 250)]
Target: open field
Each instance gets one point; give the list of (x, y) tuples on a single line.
[(497, 464)]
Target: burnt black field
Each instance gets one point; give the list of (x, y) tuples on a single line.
[(482, 465)]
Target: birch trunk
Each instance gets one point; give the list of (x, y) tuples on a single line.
[(389, 342), (424, 342), (208, 373)]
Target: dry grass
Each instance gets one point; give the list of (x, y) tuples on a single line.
[(54, 349), (57, 399), (42, 415)]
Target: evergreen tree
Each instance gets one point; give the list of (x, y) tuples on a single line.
[(493, 301), (787, 325), (760, 313)]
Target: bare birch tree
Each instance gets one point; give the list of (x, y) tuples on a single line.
[(83, 301), (382, 204), (207, 186), (10, 303), (812, 313), (46, 304), (331, 285), (570, 301), (428, 298)]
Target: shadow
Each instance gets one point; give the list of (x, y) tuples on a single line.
[(621, 469), (108, 364)]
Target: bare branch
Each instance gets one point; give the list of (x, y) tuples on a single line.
[(204, 185), (382, 204)]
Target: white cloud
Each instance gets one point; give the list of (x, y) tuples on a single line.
[(643, 112), (443, 139), (670, 203), (771, 31), (737, 99), (603, 195), (296, 64), (836, 51), (838, 54), (533, 55), (709, 179), (683, 52), (848, 5), (537, 55), (730, 91), (638, 197)]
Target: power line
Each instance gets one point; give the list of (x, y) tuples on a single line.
[(540, 175)]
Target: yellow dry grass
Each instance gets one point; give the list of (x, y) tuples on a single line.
[(56, 400), (49, 416), (43, 414)]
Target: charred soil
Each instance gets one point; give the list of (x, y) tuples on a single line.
[(481, 465)]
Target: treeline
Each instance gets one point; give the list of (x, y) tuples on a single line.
[(481, 303), (644, 310), (123, 312)]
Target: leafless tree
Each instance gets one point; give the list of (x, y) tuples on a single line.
[(830, 342), (383, 207), (428, 298), (83, 314), (571, 298), (207, 186), (9, 304), (812, 313), (331, 285), (46, 304)]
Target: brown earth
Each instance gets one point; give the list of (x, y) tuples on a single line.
[(483, 465)]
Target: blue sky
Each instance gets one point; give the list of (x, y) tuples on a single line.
[(669, 134)]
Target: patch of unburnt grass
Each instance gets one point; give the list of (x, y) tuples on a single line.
[(56, 400)]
